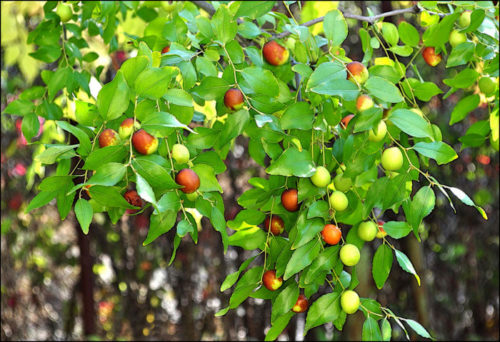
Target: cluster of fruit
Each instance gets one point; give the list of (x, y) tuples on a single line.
[(146, 144)]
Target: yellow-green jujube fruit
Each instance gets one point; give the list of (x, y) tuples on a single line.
[(457, 38), (381, 132), (338, 201), (349, 254), (367, 231), (342, 183), (64, 12), (321, 177), (349, 301), (487, 86), (392, 159), (180, 153)]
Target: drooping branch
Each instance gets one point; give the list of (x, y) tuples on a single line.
[(205, 6)]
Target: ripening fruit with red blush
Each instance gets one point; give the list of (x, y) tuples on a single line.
[(430, 56), (274, 53), (381, 232), (331, 234), (301, 304), (345, 121), (108, 137), (133, 198), (364, 102), (165, 49), (188, 179), (127, 128), (289, 199), (276, 225), (270, 281), (144, 142), (357, 72), (233, 99)]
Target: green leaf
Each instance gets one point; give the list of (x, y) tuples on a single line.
[(208, 181), (83, 138), (335, 27), (41, 199), (50, 155), (437, 150), (322, 264), (132, 67), (248, 282), (302, 257), (156, 175), (422, 205), (406, 264), (231, 278), (325, 309), (382, 263), (109, 196), (260, 81), (84, 213), (383, 89), (418, 328), (298, 115), (108, 174), (462, 196), (179, 97), (223, 24), (47, 53), (386, 330), (401, 50), (57, 82), (292, 162), (234, 126), (254, 9), (105, 155), (219, 223), (424, 91), (169, 201), (153, 83), (411, 123), (55, 183), (160, 224), (285, 301), (463, 79), (397, 229), (20, 107), (30, 126), (306, 231), (464, 107), (371, 330), (157, 123), (184, 227), (318, 209), (460, 54), (330, 79), (390, 33), (279, 324), (408, 34), (144, 189), (113, 99), (249, 238), (211, 88)]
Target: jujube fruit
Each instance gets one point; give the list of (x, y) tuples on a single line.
[(487, 86), (188, 179), (108, 137), (180, 153), (274, 53), (289, 199), (270, 281), (64, 12), (367, 231), (144, 142), (345, 120), (133, 198), (380, 134), (349, 254), (464, 19), (127, 128), (338, 201), (233, 99), (165, 49), (430, 56), (321, 177), (357, 72), (392, 159), (342, 183), (275, 225), (349, 301), (364, 102), (381, 232), (301, 304), (331, 234), (457, 38)]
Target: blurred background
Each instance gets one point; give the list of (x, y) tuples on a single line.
[(57, 284)]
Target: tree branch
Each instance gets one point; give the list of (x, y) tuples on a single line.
[(372, 19), (206, 6)]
